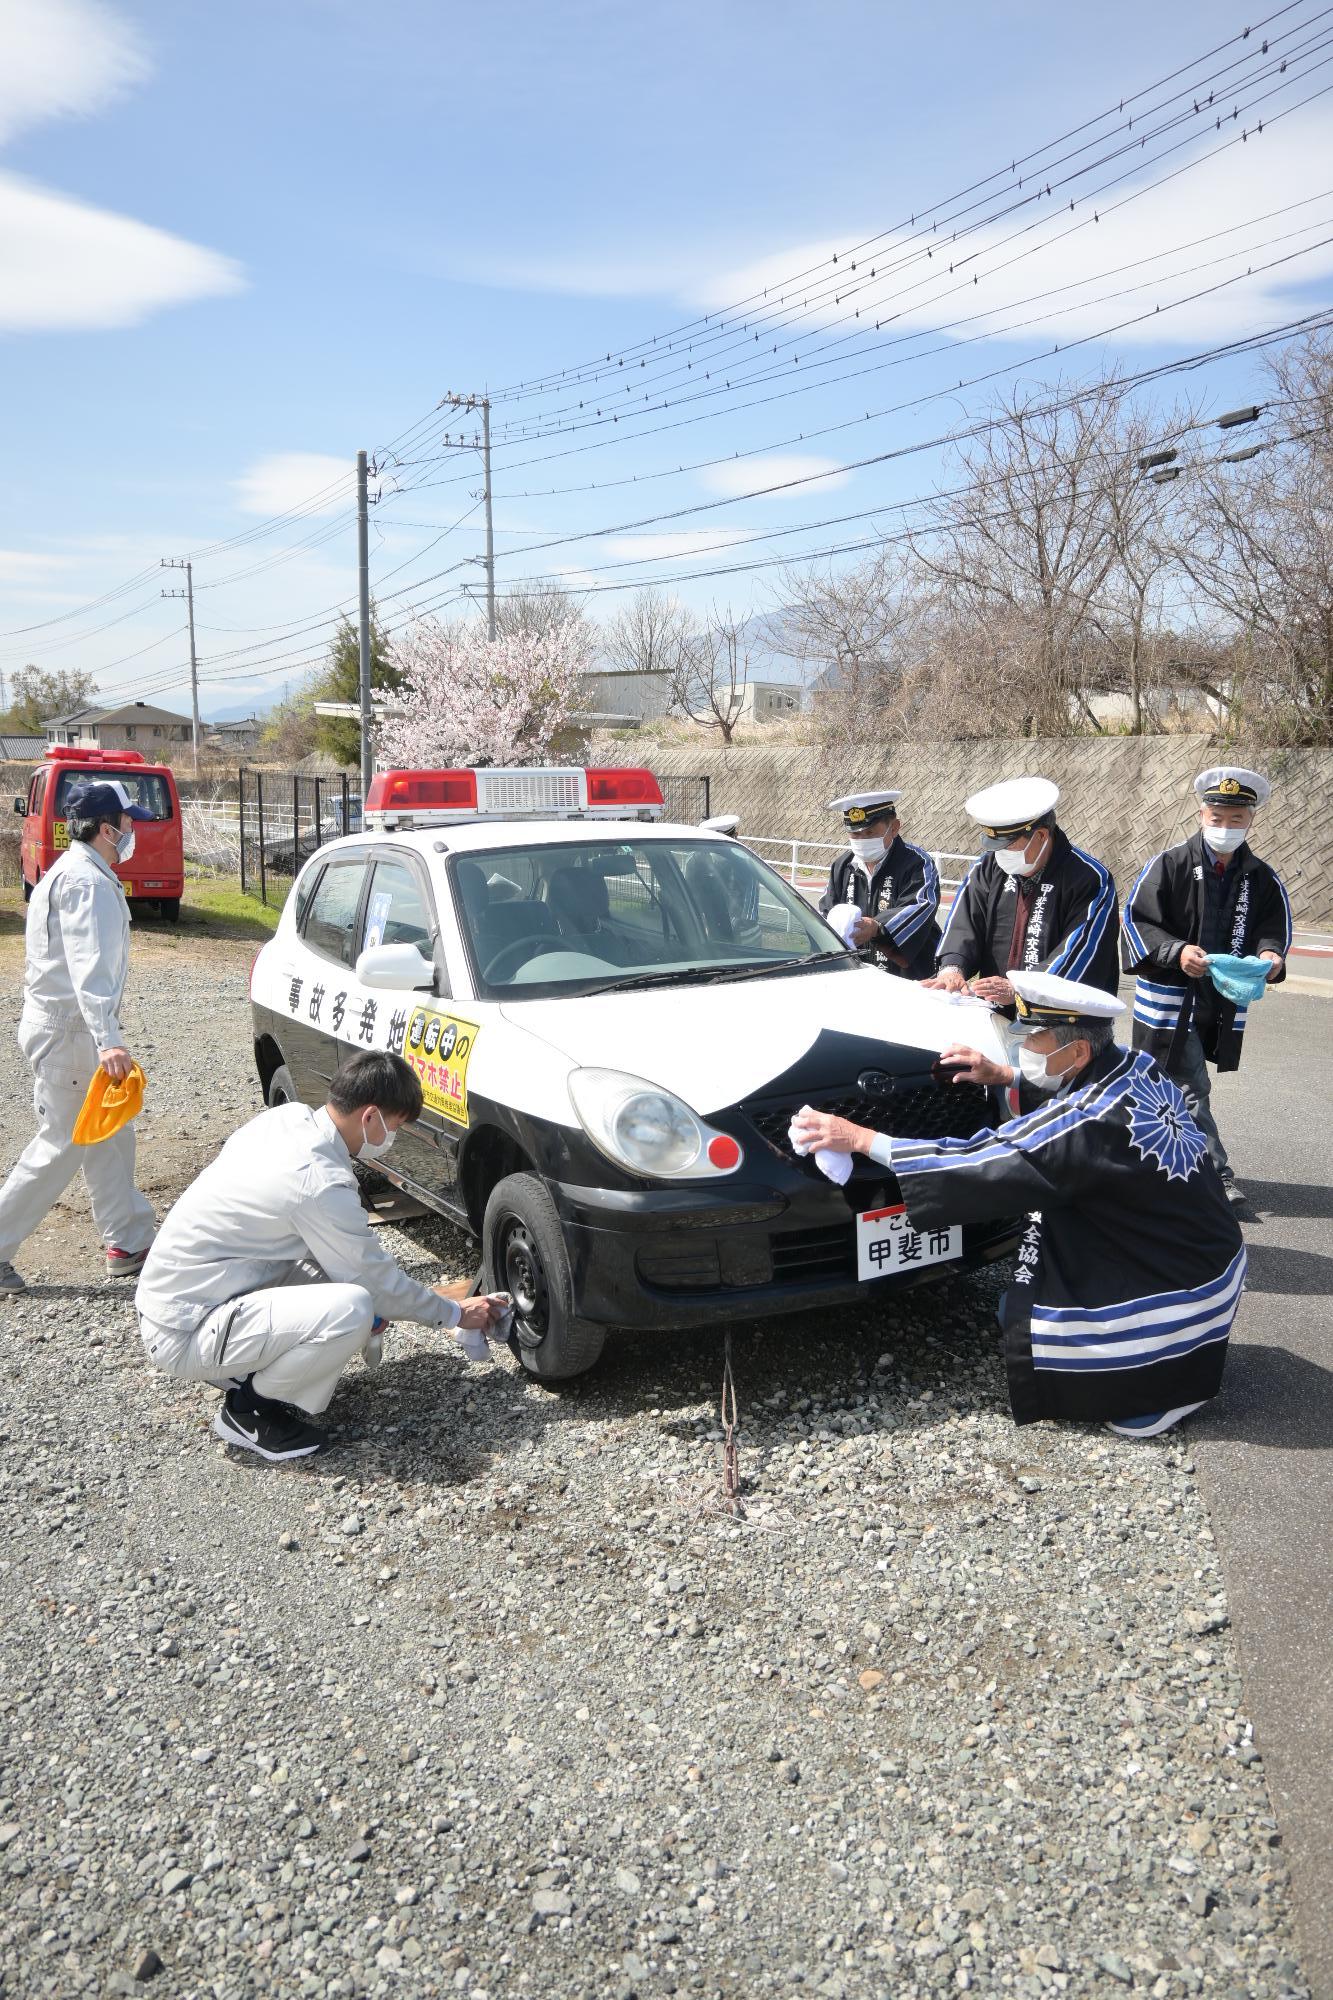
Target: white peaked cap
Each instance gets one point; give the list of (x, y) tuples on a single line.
[(1012, 804), (1044, 996), (1232, 784), (860, 805)]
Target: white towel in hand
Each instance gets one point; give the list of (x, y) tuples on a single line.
[(837, 1166), (844, 918)]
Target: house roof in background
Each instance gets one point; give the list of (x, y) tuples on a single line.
[(22, 749), (131, 713)]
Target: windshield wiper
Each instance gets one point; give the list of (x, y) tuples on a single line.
[(706, 975)]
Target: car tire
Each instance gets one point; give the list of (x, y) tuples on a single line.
[(281, 1089), (170, 906), (524, 1252)]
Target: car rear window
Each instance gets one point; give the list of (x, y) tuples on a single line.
[(149, 794)]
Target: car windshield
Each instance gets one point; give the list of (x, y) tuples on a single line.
[(148, 794), (581, 917)]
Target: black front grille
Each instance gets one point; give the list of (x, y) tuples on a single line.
[(807, 1255), (937, 1111)]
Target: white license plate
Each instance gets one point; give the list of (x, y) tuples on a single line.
[(887, 1244)]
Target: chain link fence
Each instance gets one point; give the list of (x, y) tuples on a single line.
[(280, 820), (685, 800)]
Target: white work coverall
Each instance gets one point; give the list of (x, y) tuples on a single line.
[(78, 955), (267, 1266)]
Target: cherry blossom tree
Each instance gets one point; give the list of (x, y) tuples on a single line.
[(467, 699)]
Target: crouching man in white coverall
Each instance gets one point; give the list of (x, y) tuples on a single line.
[(78, 955), (266, 1278)]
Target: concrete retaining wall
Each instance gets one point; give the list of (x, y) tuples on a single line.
[(1122, 797)]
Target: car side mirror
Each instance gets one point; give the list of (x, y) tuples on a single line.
[(21, 806), (395, 966)]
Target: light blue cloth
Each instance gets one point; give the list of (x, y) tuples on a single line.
[(1240, 979)]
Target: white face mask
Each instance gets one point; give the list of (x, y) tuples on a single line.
[(1033, 1066), (375, 1149), (125, 844), (1012, 859), (1225, 839), (868, 849)]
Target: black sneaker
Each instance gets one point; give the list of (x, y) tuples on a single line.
[(275, 1433)]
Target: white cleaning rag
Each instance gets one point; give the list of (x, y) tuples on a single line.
[(837, 1166), (844, 918)]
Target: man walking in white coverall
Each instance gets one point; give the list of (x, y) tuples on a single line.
[(78, 955)]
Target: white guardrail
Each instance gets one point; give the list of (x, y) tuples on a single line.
[(809, 873)]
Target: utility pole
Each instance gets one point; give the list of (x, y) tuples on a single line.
[(490, 525), (483, 444), (363, 584), (188, 595)]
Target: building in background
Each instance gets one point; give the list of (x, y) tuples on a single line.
[(239, 737), (155, 732)]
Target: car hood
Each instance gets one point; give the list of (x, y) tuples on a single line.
[(715, 1045)]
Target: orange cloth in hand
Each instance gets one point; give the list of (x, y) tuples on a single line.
[(107, 1105)]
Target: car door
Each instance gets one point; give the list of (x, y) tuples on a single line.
[(399, 908), (320, 982)]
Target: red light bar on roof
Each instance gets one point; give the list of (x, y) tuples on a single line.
[(433, 798), (70, 753)]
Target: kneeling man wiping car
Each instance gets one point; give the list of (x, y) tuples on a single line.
[(266, 1279), (1132, 1267)]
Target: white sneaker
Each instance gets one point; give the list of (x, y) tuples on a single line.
[(1151, 1427), (10, 1280), (373, 1352), (1235, 1195)]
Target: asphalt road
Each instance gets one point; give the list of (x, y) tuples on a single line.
[(1265, 1450)]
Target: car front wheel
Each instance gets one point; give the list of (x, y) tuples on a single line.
[(525, 1254), (281, 1089)]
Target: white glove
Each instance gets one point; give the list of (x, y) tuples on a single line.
[(837, 1166), (844, 918)]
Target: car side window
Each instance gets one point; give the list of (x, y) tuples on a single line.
[(38, 793), (398, 911), (330, 921), (305, 889)]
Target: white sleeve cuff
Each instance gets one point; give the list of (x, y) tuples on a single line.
[(452, 1311), (881, 1149)]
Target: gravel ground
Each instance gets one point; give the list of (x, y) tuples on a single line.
[(494, 1699)]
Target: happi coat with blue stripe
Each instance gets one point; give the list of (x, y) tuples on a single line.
[(1071, 924), (1164, 913), (903, 895), (1132, 1267)]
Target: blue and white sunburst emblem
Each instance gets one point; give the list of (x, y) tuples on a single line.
[(1161, 1129)]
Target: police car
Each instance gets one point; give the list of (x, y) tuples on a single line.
[(613, 1020)]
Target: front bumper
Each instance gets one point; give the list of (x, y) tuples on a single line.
[(681, 1257)]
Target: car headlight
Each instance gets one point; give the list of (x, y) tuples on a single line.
[(647, 1129)]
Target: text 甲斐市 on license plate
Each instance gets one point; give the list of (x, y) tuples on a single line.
[(887, 1244)]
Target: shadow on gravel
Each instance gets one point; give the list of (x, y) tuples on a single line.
[(1302, 1198), (1272, 1268), (1271, 1397), (902, 1369)]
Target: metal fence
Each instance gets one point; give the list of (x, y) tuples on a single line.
[(806, 867), (282, 818), (686, 799)]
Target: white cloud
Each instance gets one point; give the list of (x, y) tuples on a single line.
[(677, 547), (290, 479), (61, 58), (68, 266), (750, 475), (25, 567)]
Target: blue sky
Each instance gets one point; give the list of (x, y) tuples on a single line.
[(238, 242)]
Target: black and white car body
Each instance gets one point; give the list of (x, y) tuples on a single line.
[(613, 1021)]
